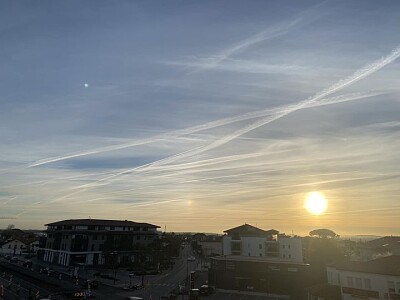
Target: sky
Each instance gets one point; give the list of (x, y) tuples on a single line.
[(201, 115)]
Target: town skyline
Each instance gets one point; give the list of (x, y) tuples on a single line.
[(201, 116)]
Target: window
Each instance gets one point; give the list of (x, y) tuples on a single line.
[(284, 256), (260, 246), (248, 245), (290, 255), (112, 227), (350, 282), (288, 246), (92, 247), (138, 237), (283, 246), (9, 246), (95, 237), (358, 283), (391, 288), (367, 283)]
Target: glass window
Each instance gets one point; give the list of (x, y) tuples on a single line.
[(350, 282), (367, 283), (358, 283), (391, 288)]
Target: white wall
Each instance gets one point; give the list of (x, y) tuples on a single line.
[(358, 280), (226, 245), (290, 248), (8, 248), (253, 246)]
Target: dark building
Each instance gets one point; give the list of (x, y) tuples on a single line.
[(87, 241), (258, 274)]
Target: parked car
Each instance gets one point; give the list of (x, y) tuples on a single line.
[(27, 264), (49, 271), (206, 290), (14, 259), (94, 284), (191, 258)]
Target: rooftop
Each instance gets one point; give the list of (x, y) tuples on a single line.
[(98, 222), (389, 265), (258, 259), (250, 230), (387, 242)]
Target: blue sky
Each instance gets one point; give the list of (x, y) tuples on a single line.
[(201, 115)]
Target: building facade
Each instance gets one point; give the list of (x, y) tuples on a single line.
[(250, 241), (374, 279), (91, 241), (259, 261), (13, 247)]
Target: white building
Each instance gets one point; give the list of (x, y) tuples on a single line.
[(375, 279), (13, 247), (247, 240)]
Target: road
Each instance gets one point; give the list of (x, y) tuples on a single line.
[(163, 284), (24, 280)]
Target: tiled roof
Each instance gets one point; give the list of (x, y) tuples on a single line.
[(246, 228), (97, 222), (389, 265)]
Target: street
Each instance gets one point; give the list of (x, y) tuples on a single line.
[(18, 282)]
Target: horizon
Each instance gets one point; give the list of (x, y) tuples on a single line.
[(202, 116)]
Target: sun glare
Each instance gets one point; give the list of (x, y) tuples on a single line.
[(315, 203)]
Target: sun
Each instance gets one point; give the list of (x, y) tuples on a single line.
[(315, 203)]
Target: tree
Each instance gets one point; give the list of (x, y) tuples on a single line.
[(10, 226), (323, 233)]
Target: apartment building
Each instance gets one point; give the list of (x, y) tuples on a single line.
[(86, 241), (374, 279), (250, 241), (259, 261)]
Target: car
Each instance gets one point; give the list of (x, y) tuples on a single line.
[(14, 259), (191, 258), (27, 264), (49, 271), (134, 298), (94, 284), (206, 290)]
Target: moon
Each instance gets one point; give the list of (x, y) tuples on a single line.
[(86, 85), (315, 203)]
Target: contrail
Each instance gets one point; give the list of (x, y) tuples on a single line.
[(355, 77), (313, 100), (202, 127)]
